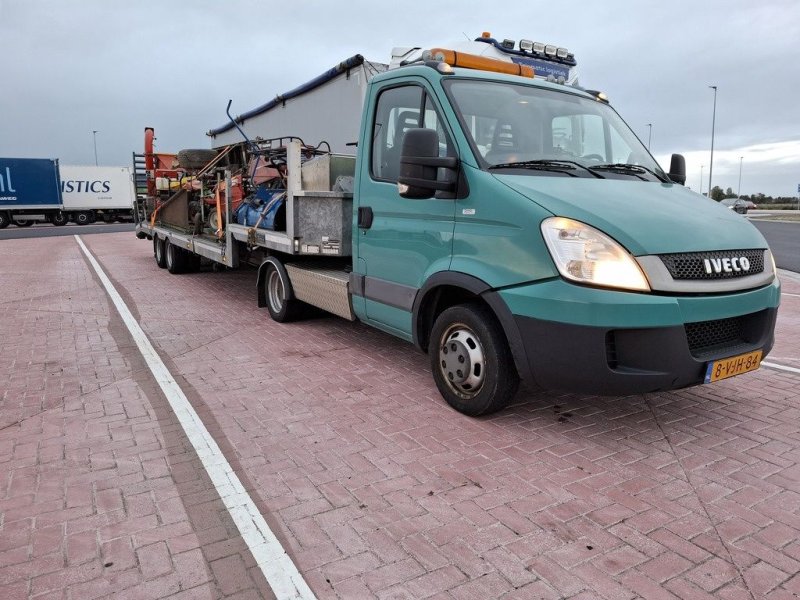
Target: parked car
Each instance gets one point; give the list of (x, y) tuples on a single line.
[(750, 205), (736, 204)]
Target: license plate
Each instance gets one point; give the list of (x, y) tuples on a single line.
[(735, 365)]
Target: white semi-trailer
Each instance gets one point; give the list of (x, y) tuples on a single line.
[(90, 193)]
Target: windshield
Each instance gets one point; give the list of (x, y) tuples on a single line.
[(509, 123)]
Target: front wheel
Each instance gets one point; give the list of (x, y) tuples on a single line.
[(470, 360), (5, 220)]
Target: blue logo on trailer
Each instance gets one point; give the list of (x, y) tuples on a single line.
[(29, 182)]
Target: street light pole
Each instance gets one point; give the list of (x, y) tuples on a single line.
[(713, 123), (649, 134), (739, 189), (94, 138)]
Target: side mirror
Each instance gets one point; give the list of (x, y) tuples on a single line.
[(419, 165), (677, 169)]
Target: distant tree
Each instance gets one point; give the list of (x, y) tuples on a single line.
[(717, 193), (729, 193)]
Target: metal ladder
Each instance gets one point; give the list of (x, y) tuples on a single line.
[(140, 185)]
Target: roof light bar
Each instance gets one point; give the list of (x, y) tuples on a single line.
[(526, 45), (562, 53), (550, 50), (472, 61)]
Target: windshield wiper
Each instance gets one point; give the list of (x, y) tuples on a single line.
[(564, 166), (627, 168)]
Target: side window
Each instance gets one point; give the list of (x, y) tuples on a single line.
[(398, 110)]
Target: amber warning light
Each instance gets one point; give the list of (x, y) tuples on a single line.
[(472, 61)]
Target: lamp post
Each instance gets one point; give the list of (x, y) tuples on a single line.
[(739, 189), (94, 138), (701, 178), (649, 134), (713, 123)]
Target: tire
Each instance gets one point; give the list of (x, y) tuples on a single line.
[(83, 217), (213, 223), (59, 219), (23, 223), (282, 305), (175, 258), (158, 251), (469, 335), (195, 158), (5, 220)]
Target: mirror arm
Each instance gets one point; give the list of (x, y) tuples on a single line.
[(442, 186)]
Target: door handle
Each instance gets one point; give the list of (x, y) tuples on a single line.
[(364, 217)]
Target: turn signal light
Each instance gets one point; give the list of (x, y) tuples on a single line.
[(472, 61)]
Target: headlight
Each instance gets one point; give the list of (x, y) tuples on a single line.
[(586, 255)]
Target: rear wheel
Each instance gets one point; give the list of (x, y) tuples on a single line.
[(158, 251), (175, 258), (5, 220), (470, 360), (59, 219), (83, 217), (281, 303)]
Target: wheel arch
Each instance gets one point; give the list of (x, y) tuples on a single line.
[(449, 288), (262, 273)]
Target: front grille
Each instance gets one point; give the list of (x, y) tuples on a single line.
[(709, 336), (692, 266)]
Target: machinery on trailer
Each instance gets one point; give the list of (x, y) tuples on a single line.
[(509, 225)]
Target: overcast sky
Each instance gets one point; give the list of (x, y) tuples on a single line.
[(70, 67)]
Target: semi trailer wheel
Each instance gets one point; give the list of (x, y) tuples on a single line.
[(59, 219), (5, 220), (23, 223), (158, 251), (281, 303), (83, 217), (470, 360)]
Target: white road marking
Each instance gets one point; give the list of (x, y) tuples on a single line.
[(788, 294), (772, 365), (279, 570)]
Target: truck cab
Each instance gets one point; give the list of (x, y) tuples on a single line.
[(529, 232)]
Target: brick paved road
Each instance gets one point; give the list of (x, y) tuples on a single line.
[(375, 487)]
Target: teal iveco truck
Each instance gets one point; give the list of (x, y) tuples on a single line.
[(510, 226)]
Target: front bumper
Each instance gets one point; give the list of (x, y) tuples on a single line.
[(603, 342)]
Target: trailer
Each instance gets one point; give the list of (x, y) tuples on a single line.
[(497, 215), (29, 191), (90, 193)]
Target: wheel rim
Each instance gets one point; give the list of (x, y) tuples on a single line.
[(159, 249), (275, 291), (462, 360), (170, 255)]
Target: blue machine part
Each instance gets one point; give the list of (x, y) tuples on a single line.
[(29, 183), (265, 202)]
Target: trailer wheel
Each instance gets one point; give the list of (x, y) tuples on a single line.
[(158, 251), (470, 360), (195, 158), (83, 217), (23, 223), (59, 219), (175, 258), (5, 219), (281, 303)]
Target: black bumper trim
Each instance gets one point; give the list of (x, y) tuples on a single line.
[(608, 361)]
